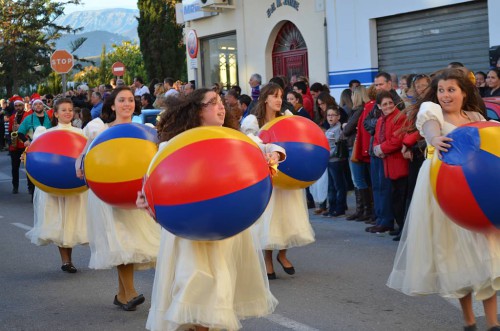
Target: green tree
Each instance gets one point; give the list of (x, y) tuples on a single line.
[(162, 43), (89, 75), (130, 55), (27, 38), (104, 68)]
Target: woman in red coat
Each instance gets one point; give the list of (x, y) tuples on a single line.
[(387, 144), (361, 159)]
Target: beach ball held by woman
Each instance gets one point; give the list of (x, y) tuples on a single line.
[(466, 181), (117, 161), (208, 183), (306, 148)]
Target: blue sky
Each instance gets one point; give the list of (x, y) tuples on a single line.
[(102, 4)]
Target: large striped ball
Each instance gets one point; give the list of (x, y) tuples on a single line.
[(208, 183), (307, 150), (466, 182), (50, 162), (117, 160)]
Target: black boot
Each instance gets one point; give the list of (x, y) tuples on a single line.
[(368, 205), (359, 206)]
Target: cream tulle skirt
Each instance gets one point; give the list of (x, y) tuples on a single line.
[(213, 284), (59, 220), (285, 222), (120, 236), (437, 256)]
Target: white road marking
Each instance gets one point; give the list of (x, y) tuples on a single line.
[(22, 226), (288, 323)]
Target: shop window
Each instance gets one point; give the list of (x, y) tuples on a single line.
[(219, 61)]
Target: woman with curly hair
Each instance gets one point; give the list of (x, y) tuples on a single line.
[(205, 284)]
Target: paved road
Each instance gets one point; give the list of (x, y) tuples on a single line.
[(339, 284)]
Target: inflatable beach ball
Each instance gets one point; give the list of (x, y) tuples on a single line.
[(117, 161), (208, 183), (466, 182), (50, 162), (307, 150)]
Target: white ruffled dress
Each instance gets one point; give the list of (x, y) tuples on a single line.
[(118, 236), (285, 222), (209, 283), (435, 255), (60, 220)]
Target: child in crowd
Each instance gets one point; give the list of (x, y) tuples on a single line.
[(336, 167)]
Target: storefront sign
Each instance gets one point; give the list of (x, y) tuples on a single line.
[(191, 10), (279, 3)]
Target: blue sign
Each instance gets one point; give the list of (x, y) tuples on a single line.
[(191, 9)]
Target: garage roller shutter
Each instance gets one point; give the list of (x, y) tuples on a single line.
[(425, 41)]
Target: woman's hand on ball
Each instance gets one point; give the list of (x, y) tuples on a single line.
[(79, 173), (272, 158), (140, 202), (440, 143)]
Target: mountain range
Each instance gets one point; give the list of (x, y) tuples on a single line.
[(100, 27)]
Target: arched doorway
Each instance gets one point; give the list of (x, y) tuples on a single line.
[(290, 52)]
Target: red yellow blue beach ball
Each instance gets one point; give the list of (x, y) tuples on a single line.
[(208, 183), (117, 160), (307, 150), (50, 162), (466, 181)]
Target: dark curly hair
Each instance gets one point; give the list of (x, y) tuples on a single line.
[(183, 113)]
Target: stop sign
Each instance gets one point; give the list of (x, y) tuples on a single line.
[(61, 61), (118, 69)]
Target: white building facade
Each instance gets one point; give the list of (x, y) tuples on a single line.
[(335, 41)]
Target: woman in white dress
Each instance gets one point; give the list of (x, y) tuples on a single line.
[(285, 223), (122, 238), (205, 285), (435, 255), (60, 220)]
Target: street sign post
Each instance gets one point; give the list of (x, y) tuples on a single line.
[(62, 61), (118, 69)]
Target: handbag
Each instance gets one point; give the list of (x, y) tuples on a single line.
[(341, 149), (354, 148)]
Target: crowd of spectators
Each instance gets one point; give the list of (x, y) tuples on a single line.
[(380, 166)]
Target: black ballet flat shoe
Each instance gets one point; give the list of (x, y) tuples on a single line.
[(116, 302), (494, 328), (132, 304), (289, 270), (271, 276), (69, 267), (472, 327)]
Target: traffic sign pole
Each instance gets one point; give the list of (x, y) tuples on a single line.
[(64, 84)]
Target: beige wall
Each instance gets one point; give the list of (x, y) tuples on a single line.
[(256, 32)]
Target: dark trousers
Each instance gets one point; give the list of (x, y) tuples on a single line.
[(399, 193), (337, 186), (413, 169), (382, 193), (15, 162)]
